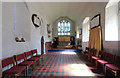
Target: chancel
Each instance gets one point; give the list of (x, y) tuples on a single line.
[(62, 38)]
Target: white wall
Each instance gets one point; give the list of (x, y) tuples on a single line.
[(108, 46), (85, 29), (97, 9), (16, 22), (24, 28), (0, 38), (22, 21), (78, 24), (111, 22), (119, 22)]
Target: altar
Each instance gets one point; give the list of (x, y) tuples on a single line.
[(64, 42)]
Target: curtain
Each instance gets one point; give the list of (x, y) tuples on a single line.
[(95, 39)]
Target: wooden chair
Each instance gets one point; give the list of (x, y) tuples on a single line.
[(35, 54), (86, 50), (109, 58), (13, 71), (115, 68), (34, 59), (26, 63), (91, 53), (100, 56)]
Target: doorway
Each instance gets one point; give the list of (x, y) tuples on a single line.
[(42, 45)]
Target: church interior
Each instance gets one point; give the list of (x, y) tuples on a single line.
[(60, 39)]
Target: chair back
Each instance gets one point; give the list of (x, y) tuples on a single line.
[(29, 53), (19, 57), (34, 51), (109, 57), (101, 54), (8, 61), (93, 51), (117, 60), (86, 48)]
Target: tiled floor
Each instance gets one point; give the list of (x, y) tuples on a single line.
[(64, 65)]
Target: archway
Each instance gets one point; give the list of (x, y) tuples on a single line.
[(42, 45)]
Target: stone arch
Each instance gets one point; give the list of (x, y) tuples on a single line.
[(55, 31)]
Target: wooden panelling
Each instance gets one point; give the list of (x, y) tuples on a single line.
[(47, 46)]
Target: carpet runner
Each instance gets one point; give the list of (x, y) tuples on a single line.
[(65, 50)]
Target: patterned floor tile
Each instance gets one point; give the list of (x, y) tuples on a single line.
[(62, 65)]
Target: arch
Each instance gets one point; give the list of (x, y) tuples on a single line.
[(42, 45), (85, 29), (112, 19), (55, 26), (64, 27)]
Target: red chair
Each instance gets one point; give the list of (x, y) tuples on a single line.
[(109, 58), (35, 54), (86, 50), (30, 57), (100, 56), (13, 71), (91, 53), (26, 63), (115, 68)]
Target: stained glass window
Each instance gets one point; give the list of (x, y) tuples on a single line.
[(64, 27)]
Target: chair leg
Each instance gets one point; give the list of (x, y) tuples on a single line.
[(105, 70), (92, 60), (39, 62), (15, 76), (42, 59), (33, 66), (116, 74), (27, 71), (88, 58), (96, 64)]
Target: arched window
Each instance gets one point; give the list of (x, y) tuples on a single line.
[(64, 27), (112, 18), (85, 29)]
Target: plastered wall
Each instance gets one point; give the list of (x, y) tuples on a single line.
[(0, 38), (108, 46), (16, 22)]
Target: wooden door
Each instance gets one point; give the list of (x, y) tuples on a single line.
[(42, 45)]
